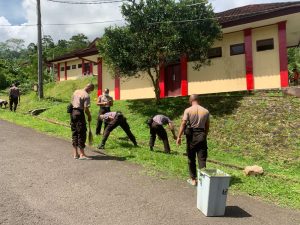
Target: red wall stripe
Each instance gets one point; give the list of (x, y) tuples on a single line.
[(58, 71), (162, 80), (82, 67), (249, 59), (184, 74), (66, 71), (99, 68), (283, 58), (117, 88)]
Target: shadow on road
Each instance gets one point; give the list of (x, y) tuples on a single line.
[(236, 212)]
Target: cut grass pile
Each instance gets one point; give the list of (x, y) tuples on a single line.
[(262, 129)]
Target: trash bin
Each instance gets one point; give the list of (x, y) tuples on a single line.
[(212, 191)]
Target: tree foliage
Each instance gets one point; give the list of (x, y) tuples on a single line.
[(294, 58), (158, 32), (20, 63)]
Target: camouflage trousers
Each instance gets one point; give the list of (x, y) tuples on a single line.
[(78, 128)]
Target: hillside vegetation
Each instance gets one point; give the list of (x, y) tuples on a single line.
[(262, 128)]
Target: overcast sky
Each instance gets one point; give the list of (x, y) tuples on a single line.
[(23, 12)]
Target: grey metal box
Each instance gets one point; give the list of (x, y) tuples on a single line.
[(212, 191)]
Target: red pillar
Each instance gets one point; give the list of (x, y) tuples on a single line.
[(162, 80), (184, 81), (91, 68), (117, 87), (249, 59), (82, 67), (283, 58), (99, 68), (58, 71), (66, 71)]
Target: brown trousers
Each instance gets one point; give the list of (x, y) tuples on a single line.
[(196, 147)]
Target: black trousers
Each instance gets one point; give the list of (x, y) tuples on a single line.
[(78, 128), (102, 111), (196, 147), (13, 103), (159, 130), (3, 103), (121, 121)]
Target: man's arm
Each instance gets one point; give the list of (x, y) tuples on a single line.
[(180, 133), (207, 126), (100, 103), (171, 126), (88, 113), (111, 102)]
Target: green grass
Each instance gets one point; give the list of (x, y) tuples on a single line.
[(262, 129)]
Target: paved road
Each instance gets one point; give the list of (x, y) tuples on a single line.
[(41, 184)]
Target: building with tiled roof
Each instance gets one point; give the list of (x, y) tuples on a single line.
[(252, 55)]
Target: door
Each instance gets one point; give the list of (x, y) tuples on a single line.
[(173, 80), (87, 69)]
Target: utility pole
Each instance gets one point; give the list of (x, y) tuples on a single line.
[(40, 56)]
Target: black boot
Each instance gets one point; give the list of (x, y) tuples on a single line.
[(100, 147)]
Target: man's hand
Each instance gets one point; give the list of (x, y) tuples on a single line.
[(178, 142)]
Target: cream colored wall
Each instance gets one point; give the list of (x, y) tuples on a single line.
[(137, 88), (93, 58), (293, 28), (108, 81), (226, 73), (266, 65), (74, 73)]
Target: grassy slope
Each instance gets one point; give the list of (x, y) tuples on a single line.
[(246, 130)]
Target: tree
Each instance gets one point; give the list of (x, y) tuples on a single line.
[(157, 32), (294, 58), (78, 41)]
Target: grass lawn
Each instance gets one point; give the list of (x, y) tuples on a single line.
[(260, 129)]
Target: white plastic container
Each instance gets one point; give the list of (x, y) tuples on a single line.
[(212, 191)]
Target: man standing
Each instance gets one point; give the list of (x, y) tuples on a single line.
[(156, 128), (80, 106), (115, 119), (14, 97), (105, 102), (195, 125)]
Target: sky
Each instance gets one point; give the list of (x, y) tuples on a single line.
[(23, 12)]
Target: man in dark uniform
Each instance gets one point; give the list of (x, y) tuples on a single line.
[(80, 106), (105, 102), (3, 102), (113, 120), (156, 128), (14, 97), (195, 125)]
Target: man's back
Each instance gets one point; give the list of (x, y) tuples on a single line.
[(161, 119), (197, 116), (80, 99), (14, 92)]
